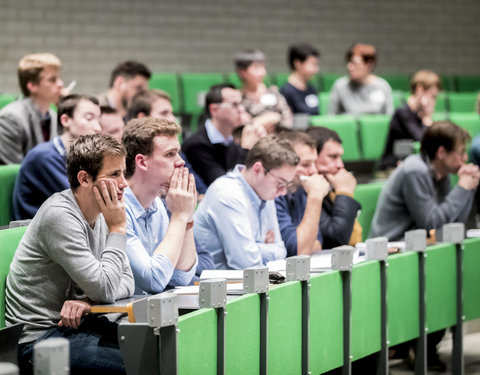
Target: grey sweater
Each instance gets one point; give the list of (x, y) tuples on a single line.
[(412, 199), (59, 258), (354, 99)]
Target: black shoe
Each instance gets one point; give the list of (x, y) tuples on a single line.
[(436, 365)]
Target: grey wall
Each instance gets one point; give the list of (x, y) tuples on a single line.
[(91, 36)]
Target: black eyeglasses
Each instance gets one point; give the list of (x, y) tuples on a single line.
[(281, 184)]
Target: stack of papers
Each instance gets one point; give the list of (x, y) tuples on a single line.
[(231, 276), (235, 289)]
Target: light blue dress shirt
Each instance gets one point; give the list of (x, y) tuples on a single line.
[(232, 221), (215, 136), (145, 230)]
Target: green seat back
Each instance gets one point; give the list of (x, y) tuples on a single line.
[(167, 82), (328, 79), (9, 240), (367, 195), (448, 83), (471, 278), (242, 335), (197, 343), (8, 174), (462, 101), (440, 287), (373, 135), (234, 79), (366, 314), (468, 83), (323, 102), (285, 329), (6, 99), (397, 81), (326, 322), (346, 127), (402, 297), (469, 121), (441, 102), (195, 86)]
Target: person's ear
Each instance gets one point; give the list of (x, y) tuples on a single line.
[(83, 178), (296, 64), (65, 120), (141, 162), (32, 87), (441, 153), (257, 167), (141, 115), (118, 82)]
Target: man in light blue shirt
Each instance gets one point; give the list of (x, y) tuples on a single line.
[(236, 221), (161, 251)]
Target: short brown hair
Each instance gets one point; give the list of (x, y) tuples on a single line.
[(143, 101), (129, 69), (442, 133), (426, 79), (87, 153), (322, 135), (68, 104), (31, 66), (272, 152), (296, 137), (367, 52), (138, 137)]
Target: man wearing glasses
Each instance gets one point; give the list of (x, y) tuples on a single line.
[(236, 221), (212, 151)]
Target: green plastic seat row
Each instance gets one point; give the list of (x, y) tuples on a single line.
[(8, 174)]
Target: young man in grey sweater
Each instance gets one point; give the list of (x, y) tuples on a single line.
[(73, 254)]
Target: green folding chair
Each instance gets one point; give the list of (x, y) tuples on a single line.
[(367, 195), (373, 135), (462, 101), (323, 102), (6, 99), (167, 82), (397, 81), (328, 79), (9, 240), (195, 86), (8, 174), (346, 127), (468, 83), (469, 121)]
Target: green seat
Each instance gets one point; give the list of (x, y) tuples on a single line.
[(468, 83), (373, 135), (462, 101), (469, 121), (6, 99), (367, 195), (346, 127), (8, 174), (397, 81), (167, 82), (323, 102), (9, 240), (195, 87), (448, 83), (327, 80), (234, 79)]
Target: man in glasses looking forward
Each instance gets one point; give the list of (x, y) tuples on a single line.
[(236, 221)]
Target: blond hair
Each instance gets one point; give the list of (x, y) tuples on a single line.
[(31, 66)]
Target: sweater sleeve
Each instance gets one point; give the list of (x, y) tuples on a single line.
[(69, 244)]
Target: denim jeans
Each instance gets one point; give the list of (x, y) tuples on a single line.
[(93, 347)]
